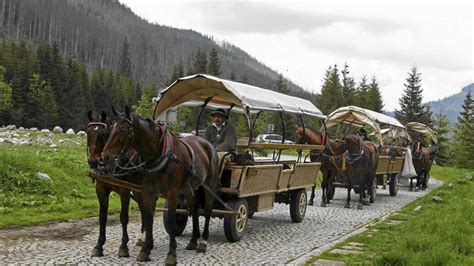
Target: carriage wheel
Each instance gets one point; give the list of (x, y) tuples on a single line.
[(331, 191), (181, 220), (298, 204), (374, 191), (393, 185), (235, 225)]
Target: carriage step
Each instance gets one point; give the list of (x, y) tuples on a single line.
[(200, 211)]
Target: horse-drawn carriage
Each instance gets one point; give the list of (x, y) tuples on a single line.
[(386, 131), (254, 186)]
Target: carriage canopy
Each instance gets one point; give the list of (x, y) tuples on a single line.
[(247, 98), (360, 116), (415, 127)]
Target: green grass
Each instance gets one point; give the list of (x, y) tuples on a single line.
[(28, 200), (438, 234)]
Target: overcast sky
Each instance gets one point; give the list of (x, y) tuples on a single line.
[(376, 38)]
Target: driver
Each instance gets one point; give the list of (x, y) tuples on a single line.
[(361, 132)]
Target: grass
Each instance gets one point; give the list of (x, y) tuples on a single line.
[(440, 233), (28, 200)]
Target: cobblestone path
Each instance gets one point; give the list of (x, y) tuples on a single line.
[(271, 237)]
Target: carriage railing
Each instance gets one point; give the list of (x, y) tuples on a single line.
[(278, 147)]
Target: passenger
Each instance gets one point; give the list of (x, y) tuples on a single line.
[(223, 136), (361, 132)]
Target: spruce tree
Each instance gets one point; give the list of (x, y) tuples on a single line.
[(214, 67), (374, 97), (178, 72), (348, 88), (411, 107), (43, 104), (331, 92), (145, 107), (441, 129), (362, 93), (125, 68), (6, 100), (464, 137), (199, 64), (232, 76)]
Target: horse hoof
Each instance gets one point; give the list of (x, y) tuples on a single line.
[(139, 242), (311, 202), (360, 206), (410, 189), (97, 252), (191, 245), (171, 260), (202, 246), (348, 206), (366, 202), (123, 252), (323, 204), (143, 256), (417, 189)]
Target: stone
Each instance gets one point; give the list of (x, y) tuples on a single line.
[(45, 130), (343, 251), (43, 176), (81, 133), (417, 208), (57, 129), (5, 134), (34, 129), (436, 199), (70, 131), (61, 141), (394, 222), (462, 181), (53, 146), (468, 177), (450, 185), (21, 128), (323, 262), (11, 127), (356, 244), (11, 141), (348, 247), (2, 140)]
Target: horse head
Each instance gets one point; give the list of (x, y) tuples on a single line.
[(97, 134)]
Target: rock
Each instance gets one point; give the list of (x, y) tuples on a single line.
[(43, 176), (356, 244), (21, 128), (45, 130), (5, 134), (450, 185), (81, 133), (349, 247), (468, 177), (70, 131), (394, 222), (57, 129), (417, 208), (462, 181), (53, 146), (343, 251), (61, 141), (323, 262), (34, 129), (437, 199), (11, 127), (2, 140), (11, 141)]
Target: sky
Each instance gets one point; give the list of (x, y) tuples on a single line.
[(301, 39)]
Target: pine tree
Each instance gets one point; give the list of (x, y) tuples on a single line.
[(232, 76), (348, 88), (6, 100), (43, 104), (464, 137), (75, 110), (214, 67), (374, 97), (282, 87), (125, 67), (145, 107), (331, 92), (411, 107), (441, 129), (178, 72), (199, 64), (362, 93)]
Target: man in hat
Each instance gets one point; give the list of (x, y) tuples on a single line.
[(361, 132), (223, 136)]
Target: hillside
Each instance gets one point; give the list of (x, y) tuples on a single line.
[(95, 31), (452, 105)]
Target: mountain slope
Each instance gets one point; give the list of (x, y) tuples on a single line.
[(94, 31), (452, 105)]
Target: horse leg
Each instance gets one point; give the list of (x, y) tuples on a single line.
[(202, 245), (192, 245), (149, 204), (172, 205), (125, 203), (360, 206), (348, 200), (411, 184), (324, 189), (103, 194), (311, 199), (141, 238)]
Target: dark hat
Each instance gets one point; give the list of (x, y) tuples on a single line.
[(362, 131), (221, 112)]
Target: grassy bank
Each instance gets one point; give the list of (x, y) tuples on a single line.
[(439, 233), (26, 199)]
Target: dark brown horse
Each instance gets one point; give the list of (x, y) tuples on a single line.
[(174, 167), (422, 164), (311, 136), (97, 134), (359, 164)]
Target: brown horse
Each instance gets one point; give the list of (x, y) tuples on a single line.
[(422, 164), (311, 136), (174, 167), (360, 161), (97, 134)]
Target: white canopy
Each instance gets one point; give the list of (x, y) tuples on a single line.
[(360, 116), (225, 92), (422, 129)]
